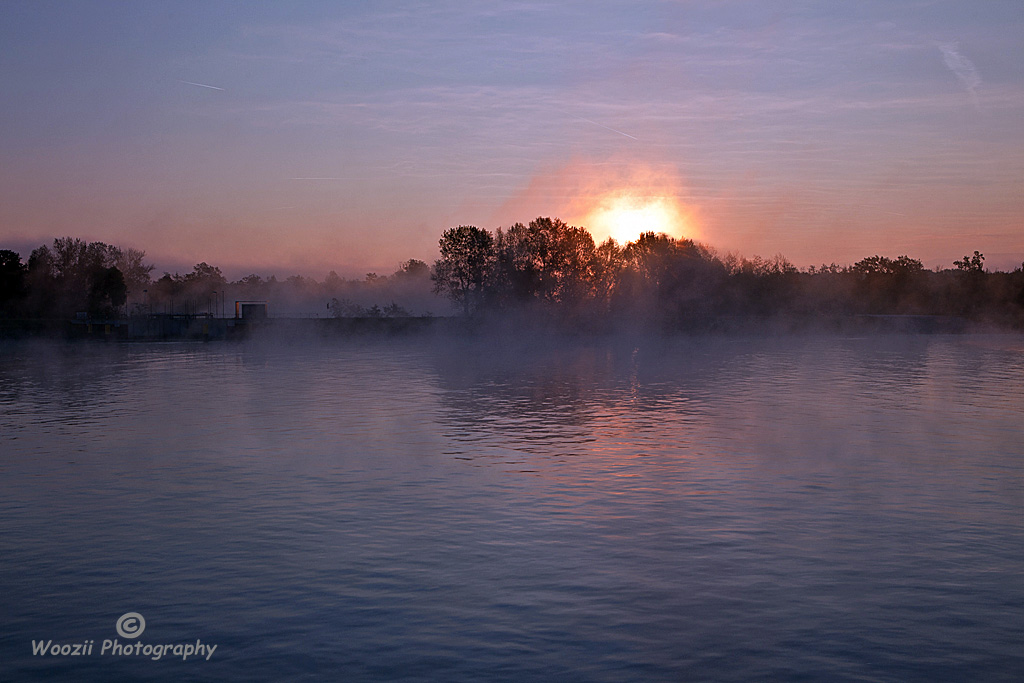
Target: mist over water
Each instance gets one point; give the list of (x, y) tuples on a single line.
[(645, 508)]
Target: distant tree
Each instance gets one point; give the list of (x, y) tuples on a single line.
[(67, 277), (880, 265), (885, 285), (830, 269), (413, 269), (393, 310), (466, 263), (332, 283), (204, 276), (251, 285), (168, 283), (344, 308), (199, 287), (167, 291), (972, 295), (971, 264), (136, 273)]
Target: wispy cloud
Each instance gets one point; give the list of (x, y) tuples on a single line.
[(963, 68)]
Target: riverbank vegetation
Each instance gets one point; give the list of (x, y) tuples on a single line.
[(546, 270)]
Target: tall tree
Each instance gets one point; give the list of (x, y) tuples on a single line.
[(466, 263), (548, 261)]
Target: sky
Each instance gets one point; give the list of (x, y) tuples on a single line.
[(303, 137)]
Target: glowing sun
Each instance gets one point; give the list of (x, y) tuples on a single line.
[(624, 217)]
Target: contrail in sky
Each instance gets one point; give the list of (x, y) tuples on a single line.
[(201, 85), (962, 67), (601, 125), (606, 127)]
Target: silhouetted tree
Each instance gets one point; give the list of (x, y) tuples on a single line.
[(205, 277), (252, 286), (393, 310), (607, 268), (188, 293), (344, 308), (567, 261), (13, 276), (667, 279), (972, 295), (886, 285), (547, 261), (516, 277), (413, 269), (73, 276), (467, 260), (826, 290), (42, 285), (971, 264)]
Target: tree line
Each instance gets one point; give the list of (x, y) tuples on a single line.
[(546, 269), (554, 269), (74, 278)]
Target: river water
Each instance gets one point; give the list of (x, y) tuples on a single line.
[(720, 508)]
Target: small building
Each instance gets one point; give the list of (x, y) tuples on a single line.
[(250, 310)]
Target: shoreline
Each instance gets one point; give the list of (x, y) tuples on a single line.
[(210, 329)]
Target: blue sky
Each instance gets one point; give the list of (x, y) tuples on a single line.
[(350, 135)]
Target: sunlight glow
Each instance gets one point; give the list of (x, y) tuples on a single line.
[(624, 216)]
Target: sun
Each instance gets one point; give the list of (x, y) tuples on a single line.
[(624, 217)]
